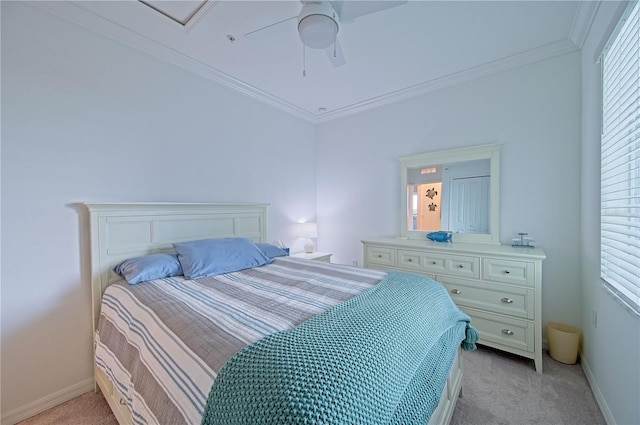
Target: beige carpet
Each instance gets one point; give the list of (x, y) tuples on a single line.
[(88, 409), (498, 389), (502, 389)]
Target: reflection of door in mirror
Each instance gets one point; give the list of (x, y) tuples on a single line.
[(469, 205), (424, 198), (425, 206), (453, 197)]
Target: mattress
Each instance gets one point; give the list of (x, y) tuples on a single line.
[(163, 342)]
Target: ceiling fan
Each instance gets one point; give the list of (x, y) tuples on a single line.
[(319, 22)]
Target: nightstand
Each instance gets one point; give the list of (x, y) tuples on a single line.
[(318, 256)]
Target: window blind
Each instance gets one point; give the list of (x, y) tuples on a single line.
[(620, 164)]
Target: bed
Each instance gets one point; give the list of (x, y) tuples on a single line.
[(253, 330)]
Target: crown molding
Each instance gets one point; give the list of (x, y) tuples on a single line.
[(582, 21), (75, 13), (548, 51)]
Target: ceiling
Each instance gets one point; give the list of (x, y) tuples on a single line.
[(405, 49)]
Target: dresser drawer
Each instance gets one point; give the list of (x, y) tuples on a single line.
[(510, 300), (379, 255), (495, 329), (509, 271), (421, 261), (463, 266), (427, 262)]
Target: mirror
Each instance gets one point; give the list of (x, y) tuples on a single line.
[(456, 190)]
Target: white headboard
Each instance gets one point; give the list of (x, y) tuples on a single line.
[(125, 230)]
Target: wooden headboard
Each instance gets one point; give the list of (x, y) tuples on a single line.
[(125, 230)]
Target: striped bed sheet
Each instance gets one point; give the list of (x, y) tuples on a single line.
[(162, 342)]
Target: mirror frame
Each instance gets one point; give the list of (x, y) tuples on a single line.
[(491, 152)]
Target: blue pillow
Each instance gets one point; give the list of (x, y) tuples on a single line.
[(149, 267), (210, 257), (271, 251)]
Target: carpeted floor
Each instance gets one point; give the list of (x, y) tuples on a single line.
[(88, 409), (498, 389), (503, 389)]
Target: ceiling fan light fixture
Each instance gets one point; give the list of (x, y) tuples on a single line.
[(317, 25)]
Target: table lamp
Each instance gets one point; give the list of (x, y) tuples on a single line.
[(308, 231)]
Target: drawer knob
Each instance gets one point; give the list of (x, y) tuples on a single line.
[(460, 266), (456, 291), (507, 331), (409, 260), (379, 255), (507, 272), (434, 263), (507, 300)]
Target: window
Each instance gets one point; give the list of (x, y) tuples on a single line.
[(620, 163)]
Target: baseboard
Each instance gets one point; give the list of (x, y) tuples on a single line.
[(602, 403), (47, 402)]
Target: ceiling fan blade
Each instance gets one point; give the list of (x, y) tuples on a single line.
[(270, 26), (349, 10), (337, 59)]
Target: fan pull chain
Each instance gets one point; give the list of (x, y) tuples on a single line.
[(304, 62), (335, 36)]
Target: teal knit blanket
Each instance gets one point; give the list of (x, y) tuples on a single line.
[(380, 357)]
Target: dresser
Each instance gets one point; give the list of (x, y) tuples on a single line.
[(498, 286)]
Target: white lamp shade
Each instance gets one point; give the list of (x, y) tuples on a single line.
[(308, 230), (317, 24), (317, 31)]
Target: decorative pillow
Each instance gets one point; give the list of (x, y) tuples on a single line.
[(210, 257), (149, 267), (271, 251)]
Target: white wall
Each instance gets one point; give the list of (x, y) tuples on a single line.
[(67, 94), (610, 351), (87, 119), (534, 111)]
